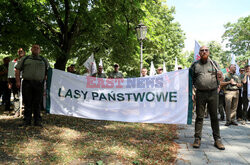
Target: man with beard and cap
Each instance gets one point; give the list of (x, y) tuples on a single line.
[(206, 76)]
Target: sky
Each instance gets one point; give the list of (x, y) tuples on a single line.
[(204, 20)]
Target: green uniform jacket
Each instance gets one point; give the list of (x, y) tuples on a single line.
[(204, 76), (33, 67), (116, 75), (102, 75), (228, 77)]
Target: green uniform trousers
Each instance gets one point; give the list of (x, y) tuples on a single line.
[(231, 98), (209, 97)]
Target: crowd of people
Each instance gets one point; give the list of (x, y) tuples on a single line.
[(214, 92), (32, 70)]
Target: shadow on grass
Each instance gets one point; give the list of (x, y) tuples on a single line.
[(66, 139)]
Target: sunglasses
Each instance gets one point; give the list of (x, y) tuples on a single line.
[(204, 50)]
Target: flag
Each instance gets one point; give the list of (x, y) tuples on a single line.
[(90, 64), (152, 69), (224, 70), (101, 64), (233, 59), (196, 51), (176, 64), (93, 68), (164, 67), (237, 66)]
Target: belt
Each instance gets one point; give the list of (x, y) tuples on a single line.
[(207, 90), (232, 89), (33, 80)]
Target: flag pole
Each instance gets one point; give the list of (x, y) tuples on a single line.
[(213, 64)]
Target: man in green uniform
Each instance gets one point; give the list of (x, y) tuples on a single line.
[(34, 69), (206, 75), (99, 73), (116, 73), (232, 83)]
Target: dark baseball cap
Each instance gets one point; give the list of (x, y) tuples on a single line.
[(116, 65), (159, 68)]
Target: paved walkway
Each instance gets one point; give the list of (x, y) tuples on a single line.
[(235, 138)]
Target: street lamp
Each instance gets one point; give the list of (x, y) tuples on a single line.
[(141, 30)]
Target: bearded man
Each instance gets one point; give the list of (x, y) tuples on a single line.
[(206, 77)]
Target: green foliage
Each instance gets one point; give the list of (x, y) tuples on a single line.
[(69, 29), (238, 37), (99, 162), (218, 54), (136, 162), (165, 38), (187, 58)]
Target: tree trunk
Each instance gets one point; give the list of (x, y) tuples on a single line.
[(61, 63), (62, 60)]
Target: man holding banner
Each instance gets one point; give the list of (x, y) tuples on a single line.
[(205, 77)]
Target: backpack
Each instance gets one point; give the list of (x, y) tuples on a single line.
[(43, 59)]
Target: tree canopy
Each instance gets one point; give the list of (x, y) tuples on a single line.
[(74, 29), (238, 37)]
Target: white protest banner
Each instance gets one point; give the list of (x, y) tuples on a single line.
[(146, 99)]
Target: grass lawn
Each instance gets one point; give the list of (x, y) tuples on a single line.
[(69, 140)]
